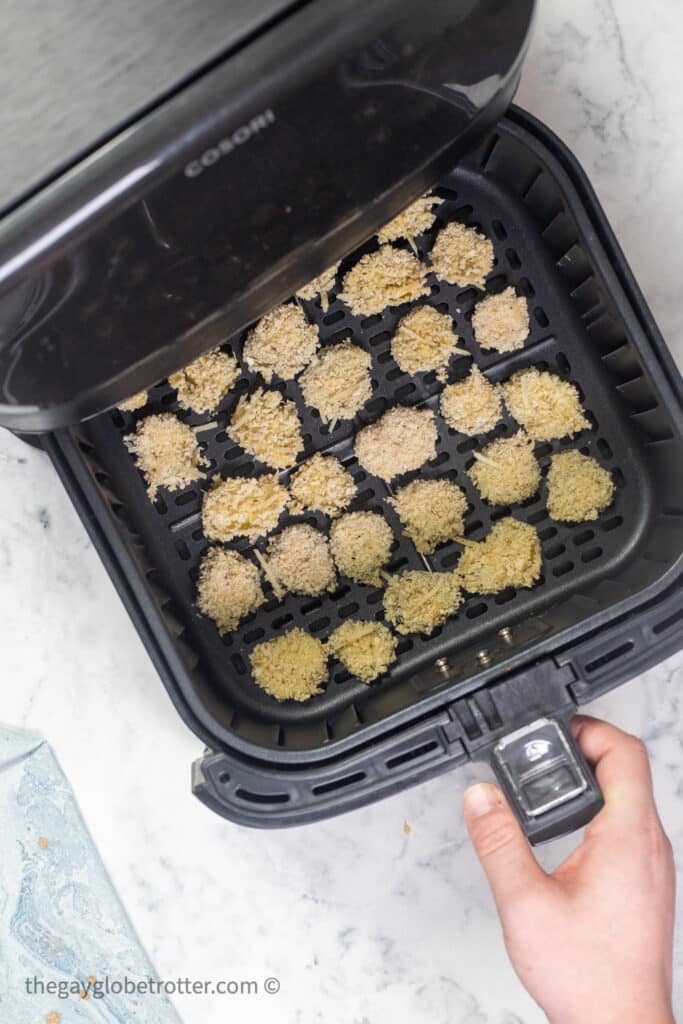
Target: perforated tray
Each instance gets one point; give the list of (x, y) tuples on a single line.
[(574, 556)]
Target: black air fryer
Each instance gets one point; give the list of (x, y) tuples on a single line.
[(196, 173)]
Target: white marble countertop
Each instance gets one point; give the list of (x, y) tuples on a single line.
[(360, 921)]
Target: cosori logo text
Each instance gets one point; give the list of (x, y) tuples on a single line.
[(229, 143)]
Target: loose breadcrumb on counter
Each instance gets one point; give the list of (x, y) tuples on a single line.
[(135, 402), (282, 343), (473, 405), (290, 667), (431, 511), (424, 341), (403, 439), (365, 649), (418, 602), (337, 382), (506, 471), (361, 545), (204, 383), (299, 561), (544, 404), (229, 588), (414, 220), (579, 489), (462, 256), (388, 277), (243, 507), (323, 484), (510, 556), (501, 321), (167, 453), (321, 285), (267, 426)]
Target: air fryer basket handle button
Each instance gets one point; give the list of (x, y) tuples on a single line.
[(547, 779)]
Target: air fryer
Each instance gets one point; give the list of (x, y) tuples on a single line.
[(279, 159)]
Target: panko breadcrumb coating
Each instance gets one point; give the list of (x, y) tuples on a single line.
[(134, 402), (228, 589), (462, 256), (473, 405), (413, 221), (361, 546), (337, 382), (299, 560), (322, 483), (509, 557), (167, 453), (204, 383), (283, 343), (506, 471), (243, 507), (321, 285), (579, 489), (290, 667), (544, 404), (267, 426), (431, 511), (388, 277), (400, 441), (418, 602), (365, 649), (424, 341), (501, 321)]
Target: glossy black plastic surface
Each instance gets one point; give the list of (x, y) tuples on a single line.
[(233, 193)]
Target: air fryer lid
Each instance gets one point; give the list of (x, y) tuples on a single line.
[(237, 190)]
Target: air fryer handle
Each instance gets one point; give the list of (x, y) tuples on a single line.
[(547, 780)]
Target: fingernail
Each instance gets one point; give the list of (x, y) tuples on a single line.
[(480, 799)]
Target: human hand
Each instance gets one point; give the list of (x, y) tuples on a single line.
[(593, 941)]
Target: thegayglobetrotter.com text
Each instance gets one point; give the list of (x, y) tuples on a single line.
[(98, 988)]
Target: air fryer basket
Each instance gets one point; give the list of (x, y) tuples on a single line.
[(608, 602)]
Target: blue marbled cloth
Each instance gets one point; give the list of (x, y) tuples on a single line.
[(60, 917)]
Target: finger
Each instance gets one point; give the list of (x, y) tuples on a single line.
[(621, 765), (500, 844)]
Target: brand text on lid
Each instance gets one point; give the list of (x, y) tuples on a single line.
[(230, 142)]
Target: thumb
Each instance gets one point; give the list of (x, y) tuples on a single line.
[(500, 844)]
